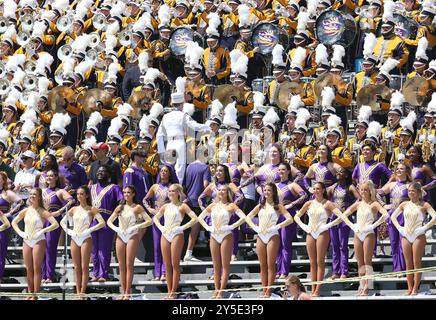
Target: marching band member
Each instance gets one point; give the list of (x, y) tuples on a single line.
[(305, 89), (268, 242), (114, 145), (230, 22), (251, 136), (172, 128), (128, 236), (391, 132), (368, 74), (57, 135), (389, 45), (239, 66), (128, 141), (35, 217), (364, 234), (354, 144), (413, 232), (92, 125), (319, 211), (172, 231), (212, 141), (86, 155), (407, 137), (421, 172), (420, 63), (340, 154), (302, 39), (287, 15), (196, 91), (216, 58), (182, 14), (80, 218), (279, 69)]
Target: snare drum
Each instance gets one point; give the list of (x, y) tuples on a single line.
[(266, 81), (257, 85), (397, 82), (315, 112)]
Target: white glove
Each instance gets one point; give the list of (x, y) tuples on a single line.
[(274, 228), (71, 232), (226, 228), (421, 230), (178, 230), (290, 156), (116, 229), (284, 138), (322, 135), (22, 234), (132, 229), (354, 228), (323, 228), (402, 231), (388, 134), (356, 146), (86, 233), (368, 229), (401, 156), (306, 228), (161, 228), (256, 229), (38, 234), (195, 8), (210, 229), (432, 138), (254, 138)]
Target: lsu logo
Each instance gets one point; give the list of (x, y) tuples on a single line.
[(267, 38), (331, 26)]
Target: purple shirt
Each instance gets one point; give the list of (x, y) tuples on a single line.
[(106, 202), (75, 175), (195, 175), (370, 170), (140, 179)]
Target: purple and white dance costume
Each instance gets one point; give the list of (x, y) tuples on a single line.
[(339, 234), (105, 199), (287, 234), (268, 218), (322, 174), (398, 195), (266, 174), (52, 203), (4, 237)]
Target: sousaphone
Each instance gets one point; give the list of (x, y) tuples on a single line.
[(227, 93), (415, 90)]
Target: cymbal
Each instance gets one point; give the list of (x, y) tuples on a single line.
[(227, 93), (367, 96), (59, 97), (326, 80), (138, 100), (286, 90), (415, 90), (94, 99)]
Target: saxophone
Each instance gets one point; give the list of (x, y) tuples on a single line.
[(427, 148)]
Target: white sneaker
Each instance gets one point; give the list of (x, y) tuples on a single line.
[(191, 259)]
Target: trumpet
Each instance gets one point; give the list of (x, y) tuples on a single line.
[(64, 23), (65, 52), (27, 22), (4, 86), (30, 82), (3, 25), (23, 38), (99, 21)]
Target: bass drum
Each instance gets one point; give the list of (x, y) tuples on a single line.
[(266, 35), (336, 27), (405, 27), (180, 37)]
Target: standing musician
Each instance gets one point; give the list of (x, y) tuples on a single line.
[(391, 132), (354, 144), (279, 68), (368, 74), (340, 154), (230, 22), (407, 137)]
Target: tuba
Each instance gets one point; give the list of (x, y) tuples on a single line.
[(2, 70), (3, 24), (4, 86), (126, 38), (95, 40), (29, 66)]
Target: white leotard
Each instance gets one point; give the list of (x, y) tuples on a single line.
[(317, 217), (267, 218), (126, 219), (33, 222), (364, 218), (173, 218), (81, 222), (220, 217), (413, 219)]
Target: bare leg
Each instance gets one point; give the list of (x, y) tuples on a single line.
[(193, 235), (418, 252), (261, 254), (408, 257), (86, 257), (38, 257), (28, 261), (121, 257), (217, 267), (358, 250), (272, 252), (166, 254), (322, 245), (311, 251), (76, 254), (368, 251), (226, 256), (132, 247), (176, 253)]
